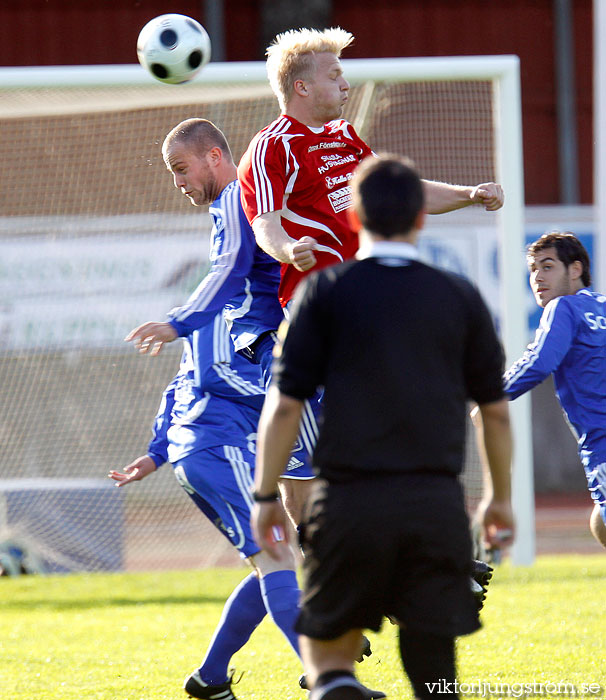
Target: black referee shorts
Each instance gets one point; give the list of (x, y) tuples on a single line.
[(396, 545)]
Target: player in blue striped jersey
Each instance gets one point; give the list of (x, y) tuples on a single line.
[(206, 427), (570, 343), (242, 279)]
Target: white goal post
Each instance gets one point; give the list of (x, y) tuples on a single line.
[(599, 139), (501, 72)]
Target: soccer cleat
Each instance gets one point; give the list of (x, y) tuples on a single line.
[(195, 687), (365, 649), (368, 693), (480, 578)]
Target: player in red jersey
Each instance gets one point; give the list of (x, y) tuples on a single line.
[(295, 174)]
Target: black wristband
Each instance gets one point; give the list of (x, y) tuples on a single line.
[(269, 498)]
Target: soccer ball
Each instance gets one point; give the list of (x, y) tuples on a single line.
[(173, 48)]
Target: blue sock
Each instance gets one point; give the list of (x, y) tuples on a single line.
[(242, 613), (280, 592)]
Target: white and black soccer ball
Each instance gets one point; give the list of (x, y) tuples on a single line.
[(173, 48)]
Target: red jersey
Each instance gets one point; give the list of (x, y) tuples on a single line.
[(305, 172)]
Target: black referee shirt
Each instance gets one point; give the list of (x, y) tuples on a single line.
[(400, 347)]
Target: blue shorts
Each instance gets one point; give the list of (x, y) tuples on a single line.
[(594, 463), (219, 480), (300, 463)]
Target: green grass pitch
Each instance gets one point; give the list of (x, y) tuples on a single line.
[(136, 636)]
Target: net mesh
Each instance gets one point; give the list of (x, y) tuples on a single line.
[(96, 240)]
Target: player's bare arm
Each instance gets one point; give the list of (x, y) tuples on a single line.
[(496, 447), (441, 197), (274, 240), (277, 432), (135, 471), (151, 337)]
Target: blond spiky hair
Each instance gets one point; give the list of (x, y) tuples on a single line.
[(290, 56)]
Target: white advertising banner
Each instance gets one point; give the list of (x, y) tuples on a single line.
[(90, 291), (459, 243)]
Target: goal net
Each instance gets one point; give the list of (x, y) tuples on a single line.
[(96, 240)]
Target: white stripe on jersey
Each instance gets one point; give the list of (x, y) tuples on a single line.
[(221, 340), (232, 241), (241, 471), (191, 351), (302, 221), (222, 354), (264, 194), (236, 522), (600, 298), (535, 348), (229, 376), (243, 309), (308, 428), (194, 412), (328, 249), (297, 218), (290, 185), (263, 189)]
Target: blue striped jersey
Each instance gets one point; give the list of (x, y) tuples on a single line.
[(242, 278), (570, 343), (214, 400)]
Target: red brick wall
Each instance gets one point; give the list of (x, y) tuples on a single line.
[(46, 32)]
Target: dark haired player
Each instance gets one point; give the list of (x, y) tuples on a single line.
[(570, 343), (400, 347)]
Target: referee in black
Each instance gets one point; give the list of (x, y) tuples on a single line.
[(400, 347)]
